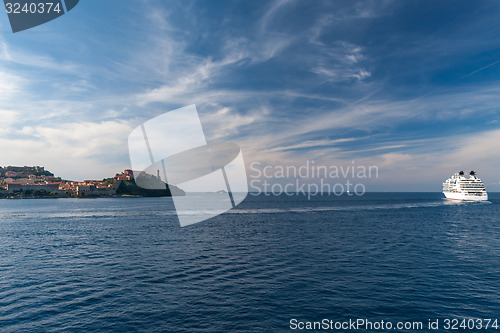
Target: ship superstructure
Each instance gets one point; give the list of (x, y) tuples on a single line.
[(460, 187)]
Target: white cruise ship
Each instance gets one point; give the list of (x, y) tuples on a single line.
[(459, 187)]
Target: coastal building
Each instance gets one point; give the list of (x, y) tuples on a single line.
[(14, 186), (17, 186), (82, 190), (129, 174), (10, 174), (26, 169)]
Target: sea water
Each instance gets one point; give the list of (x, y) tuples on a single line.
[(125, 264)]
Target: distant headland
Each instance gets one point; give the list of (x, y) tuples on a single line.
[(36, 182)]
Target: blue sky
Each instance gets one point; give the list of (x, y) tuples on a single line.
[(409, 86)]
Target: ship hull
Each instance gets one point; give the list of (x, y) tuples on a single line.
[(465, 196)]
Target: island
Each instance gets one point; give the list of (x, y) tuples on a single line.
[(36, 182)]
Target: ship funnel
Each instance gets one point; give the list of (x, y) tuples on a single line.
[(472, 173), (461, 173)]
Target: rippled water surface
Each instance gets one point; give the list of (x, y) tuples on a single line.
[(114, 265)]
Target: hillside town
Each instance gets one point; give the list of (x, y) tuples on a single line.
[(35, 181)]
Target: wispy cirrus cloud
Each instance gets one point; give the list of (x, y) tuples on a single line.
[(312, 144)]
